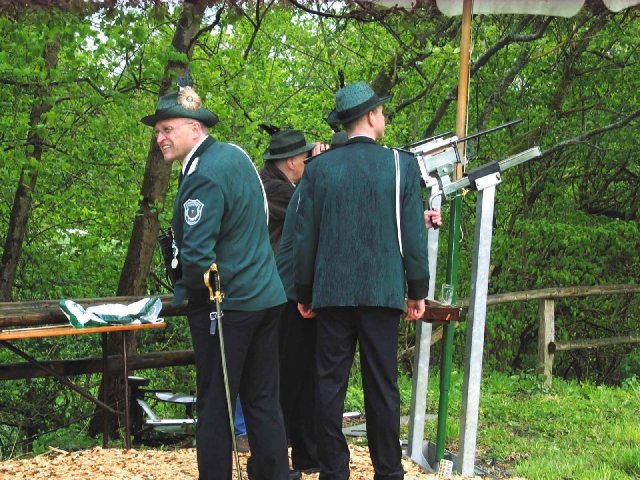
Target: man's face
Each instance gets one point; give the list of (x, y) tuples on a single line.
[(176, 137), (297, 166)]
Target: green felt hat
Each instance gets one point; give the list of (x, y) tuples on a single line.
[(353, 101), (183, 104), (339, 138), (287, 143)]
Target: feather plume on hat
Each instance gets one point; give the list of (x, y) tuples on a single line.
[(187, 96), (270, 129)]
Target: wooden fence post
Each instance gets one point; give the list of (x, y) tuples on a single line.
[(545, 337)]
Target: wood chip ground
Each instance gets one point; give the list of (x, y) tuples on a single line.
[(115, 464)]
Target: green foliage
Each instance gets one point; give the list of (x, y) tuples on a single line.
[(630, 365), (69, 439), (631, 384), (568, 219), (573, 250), (354, 400)]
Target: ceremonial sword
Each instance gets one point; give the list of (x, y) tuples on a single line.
[(212, 281)]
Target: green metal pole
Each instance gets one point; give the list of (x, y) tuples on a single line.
[(449, 328), (454, 224)]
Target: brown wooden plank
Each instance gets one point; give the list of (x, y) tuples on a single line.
[(81, 366), (561, 346), (557, 293), (58, 331), (44, 312), (436, 312)]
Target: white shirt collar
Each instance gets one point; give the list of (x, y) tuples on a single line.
[(185, 162), (362, 135)]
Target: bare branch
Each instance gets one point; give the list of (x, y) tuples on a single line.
[(206, 29), (366, 13), (512, 37), (580, 139), (518, 65)]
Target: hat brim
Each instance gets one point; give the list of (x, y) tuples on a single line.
[(334, 119), (203, 115), (306, 148)]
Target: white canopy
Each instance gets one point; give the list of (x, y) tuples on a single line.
[(563, 8)]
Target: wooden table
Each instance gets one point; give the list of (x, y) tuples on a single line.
[(6, 336), (438, 312)]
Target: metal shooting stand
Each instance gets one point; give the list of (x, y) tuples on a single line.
[(436, 158)]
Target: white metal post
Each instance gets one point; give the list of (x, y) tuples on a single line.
[(415, 447), (476, 322)]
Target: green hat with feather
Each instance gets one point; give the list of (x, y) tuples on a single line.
[(185, 103)]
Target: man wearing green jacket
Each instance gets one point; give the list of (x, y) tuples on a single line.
[(220, 217), (361, 238)]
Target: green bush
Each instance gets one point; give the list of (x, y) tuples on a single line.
[(630, 365)]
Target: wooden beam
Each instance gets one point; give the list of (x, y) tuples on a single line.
[(546, 337), (81, 366), (556, 293), (594, 343), (463, 83), (25, 314), (69, 330)]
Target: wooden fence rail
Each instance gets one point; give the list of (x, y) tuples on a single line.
[(547, 345), (37, 313)]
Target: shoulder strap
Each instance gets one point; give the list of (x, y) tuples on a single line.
[(396, 158), (264, 193), (201, 148)]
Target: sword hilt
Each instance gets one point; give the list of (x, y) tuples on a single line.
[(212, 282)]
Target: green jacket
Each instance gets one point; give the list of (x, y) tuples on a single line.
[(284, 255), (219, 217), (347, 251)]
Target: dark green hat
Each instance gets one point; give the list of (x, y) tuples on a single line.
[(183, 104), (339, 139), (353, 101), (287, 143)]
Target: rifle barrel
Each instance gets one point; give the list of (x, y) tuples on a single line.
[(490, 130), (426, 140), (505, 164)]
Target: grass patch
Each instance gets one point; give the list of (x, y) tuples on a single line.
[(570, 431)]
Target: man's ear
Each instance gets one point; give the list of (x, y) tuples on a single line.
[(370, 114)]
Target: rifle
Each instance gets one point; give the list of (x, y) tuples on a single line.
[(437, 157)]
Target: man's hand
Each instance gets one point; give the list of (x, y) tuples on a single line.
[(306, 312), (432, 218), (319, 148), (415, 309)]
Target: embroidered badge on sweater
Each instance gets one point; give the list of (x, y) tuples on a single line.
[(192, 211)]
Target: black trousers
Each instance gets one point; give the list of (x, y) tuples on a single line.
[(375, 329), (251, 345), (298, 385)]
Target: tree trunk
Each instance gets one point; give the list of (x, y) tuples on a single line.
[(133, 278), (146, 224), (23, 200)]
